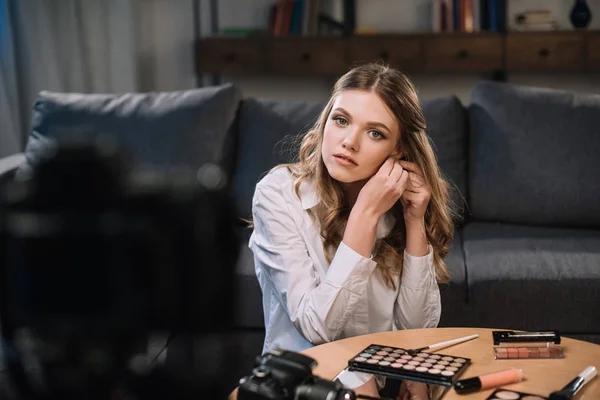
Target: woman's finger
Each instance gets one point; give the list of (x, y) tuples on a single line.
[(412, 199), (415, 184), (415, 180), (386, 167), (403, 179), (397, 172), (411, 166)]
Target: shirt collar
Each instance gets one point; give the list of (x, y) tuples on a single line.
[(309, 199)]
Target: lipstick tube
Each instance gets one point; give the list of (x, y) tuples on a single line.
[(488, 381)]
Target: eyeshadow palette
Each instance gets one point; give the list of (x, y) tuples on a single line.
[(512, 353), (395, 362), (504, 394)]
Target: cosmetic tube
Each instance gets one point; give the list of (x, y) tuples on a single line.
[(575, 385), (488, 381)]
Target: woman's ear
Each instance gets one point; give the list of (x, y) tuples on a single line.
[(398, 155)]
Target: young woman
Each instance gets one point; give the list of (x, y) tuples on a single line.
[(351, 239)]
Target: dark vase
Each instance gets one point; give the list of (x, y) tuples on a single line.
[(581, 14)]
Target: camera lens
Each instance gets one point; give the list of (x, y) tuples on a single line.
[(260, 372)]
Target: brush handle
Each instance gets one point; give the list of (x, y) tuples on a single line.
[(453, 341), (586, 375), (575, 385)]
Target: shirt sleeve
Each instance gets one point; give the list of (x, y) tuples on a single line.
[(418, 304), (319, 309)]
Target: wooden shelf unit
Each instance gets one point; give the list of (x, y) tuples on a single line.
[(557, 51)]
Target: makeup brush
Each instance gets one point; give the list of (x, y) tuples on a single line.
[(447, 343), (575, 385)]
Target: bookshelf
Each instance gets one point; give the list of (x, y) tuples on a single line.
[(459, 52), (469, 37)]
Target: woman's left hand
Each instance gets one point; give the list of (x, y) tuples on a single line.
[(415, 198)]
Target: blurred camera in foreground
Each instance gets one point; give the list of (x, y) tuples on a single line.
[(95, 254)]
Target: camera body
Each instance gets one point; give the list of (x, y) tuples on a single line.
[(283, 374)]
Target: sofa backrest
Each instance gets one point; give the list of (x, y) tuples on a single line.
[(163, 130), (268, 132), (446, 120), (534, 155)]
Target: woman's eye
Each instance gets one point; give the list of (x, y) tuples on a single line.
[(376, 135), (341, 120)]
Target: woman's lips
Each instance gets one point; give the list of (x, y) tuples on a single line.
[(345, 160)]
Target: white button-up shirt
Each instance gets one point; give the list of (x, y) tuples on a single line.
[(308, 301)]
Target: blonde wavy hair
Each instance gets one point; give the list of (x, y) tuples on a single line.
[(399, 94)]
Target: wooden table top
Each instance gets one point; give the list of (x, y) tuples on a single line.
[(542, 376)]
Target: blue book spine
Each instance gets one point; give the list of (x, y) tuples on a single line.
[(296, 24), (456, 15), (493, 9)]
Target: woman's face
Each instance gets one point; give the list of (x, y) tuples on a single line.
[(360, 133)]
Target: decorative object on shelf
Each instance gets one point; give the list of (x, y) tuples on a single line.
[(581, 14), (535, 20)]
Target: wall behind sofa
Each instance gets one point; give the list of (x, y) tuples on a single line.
[(170, 27)]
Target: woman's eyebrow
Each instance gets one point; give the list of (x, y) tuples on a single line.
[(370, 123)]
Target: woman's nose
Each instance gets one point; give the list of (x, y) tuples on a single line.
[(351, 141)]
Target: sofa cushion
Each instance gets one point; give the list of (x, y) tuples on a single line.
[(446, 120), (533, 277), (248, 307), (164, 130), (268, 129), (454, 293), (534, 156)]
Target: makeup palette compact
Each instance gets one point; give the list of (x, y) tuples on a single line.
[(510, 345), (505, 394), (395, 362)]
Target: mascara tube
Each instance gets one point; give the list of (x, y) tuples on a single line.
[(488, 381), (575, 385)]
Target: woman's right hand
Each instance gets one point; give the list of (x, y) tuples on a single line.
[(383, 189)]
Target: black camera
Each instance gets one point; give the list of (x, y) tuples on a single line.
[(96, 254), (283, 374)]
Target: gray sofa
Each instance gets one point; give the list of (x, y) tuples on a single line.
[(524, 163)]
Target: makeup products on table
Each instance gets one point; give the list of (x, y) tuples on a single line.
[(575, 385), (526, 345), (507, 394), (395, 362), (488, 381), (526, 339), (441, 345), (505, 353)]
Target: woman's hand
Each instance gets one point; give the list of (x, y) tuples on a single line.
[(383, 189), (415, 198)]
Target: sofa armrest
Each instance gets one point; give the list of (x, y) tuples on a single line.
[(9, 164)]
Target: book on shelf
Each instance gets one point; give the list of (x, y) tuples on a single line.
[(468, 15), (312, 18)]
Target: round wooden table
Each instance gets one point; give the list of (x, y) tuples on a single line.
[(542, 376)]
